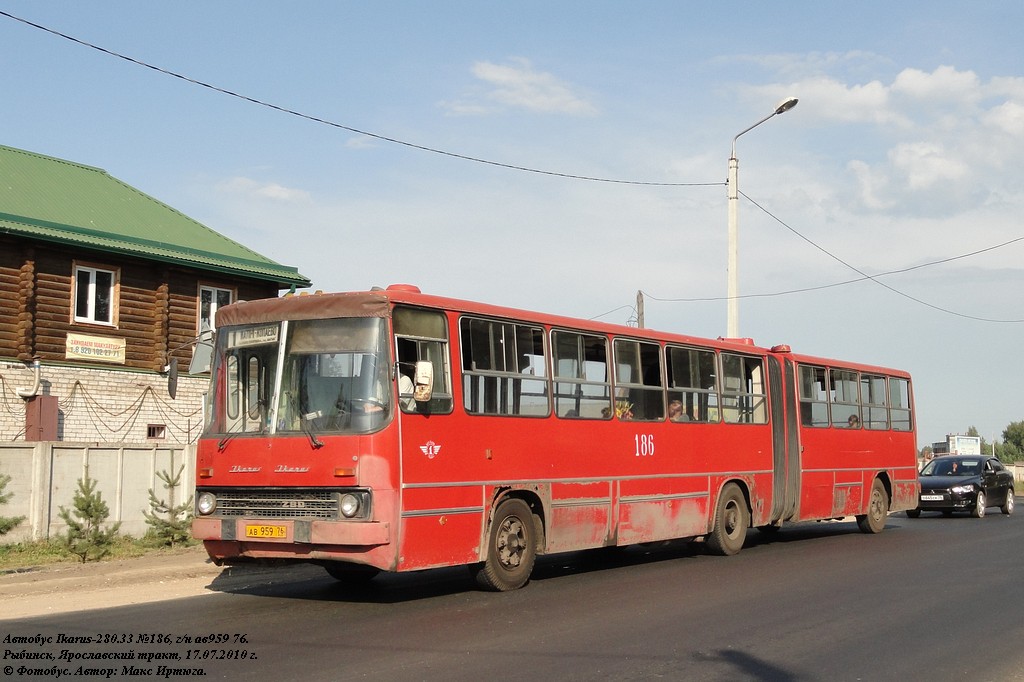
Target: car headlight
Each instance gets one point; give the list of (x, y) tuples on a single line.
[(961, 489), (206, 503), (350, 505)]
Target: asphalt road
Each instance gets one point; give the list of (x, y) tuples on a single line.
[(928, 599)]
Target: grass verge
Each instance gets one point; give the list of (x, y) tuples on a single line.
[(45, 552)]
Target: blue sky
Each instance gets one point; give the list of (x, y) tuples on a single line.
[(902, 155)]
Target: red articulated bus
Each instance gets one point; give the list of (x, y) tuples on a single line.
[(397, 431)]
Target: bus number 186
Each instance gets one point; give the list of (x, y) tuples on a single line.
[(644, 444)]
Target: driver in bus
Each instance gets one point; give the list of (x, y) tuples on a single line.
[(406, 388)]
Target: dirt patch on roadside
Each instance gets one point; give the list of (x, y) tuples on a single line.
[(60, 588), (170, 574)]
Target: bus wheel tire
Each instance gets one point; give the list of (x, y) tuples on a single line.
[(731, 522), (878, 510), (511, 548)]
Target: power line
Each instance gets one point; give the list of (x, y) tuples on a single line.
[(572, 176), (341, 126), (894, 290), (864, 276)]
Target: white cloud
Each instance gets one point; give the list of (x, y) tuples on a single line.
[(806, 65), (360, 142), (518, 85), (263, 190), (465, 108), (871, 184), (944, 83), (925, 164), (930, 143), (1008, 118)]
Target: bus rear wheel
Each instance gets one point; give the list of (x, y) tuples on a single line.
[(878, 510), (731, 522), (511, 548)]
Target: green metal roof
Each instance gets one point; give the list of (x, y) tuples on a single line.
[(60, 201)]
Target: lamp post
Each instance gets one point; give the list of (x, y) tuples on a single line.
[(733, 317)]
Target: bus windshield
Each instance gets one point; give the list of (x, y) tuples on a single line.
[(306, 376)]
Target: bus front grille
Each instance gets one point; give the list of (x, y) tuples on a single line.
[(279, 504)]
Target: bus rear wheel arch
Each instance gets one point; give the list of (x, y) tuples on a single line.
[(511, 548), (732, 519)]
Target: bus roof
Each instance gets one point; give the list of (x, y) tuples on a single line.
[(379, 303)]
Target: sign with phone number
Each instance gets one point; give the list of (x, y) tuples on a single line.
[(95, 348)]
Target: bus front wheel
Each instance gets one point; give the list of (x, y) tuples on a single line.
[(731, 522), (511, 548), (878, 510)]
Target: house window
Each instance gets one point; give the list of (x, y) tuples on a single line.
[(210, 299), (95, 292), (156, 431)]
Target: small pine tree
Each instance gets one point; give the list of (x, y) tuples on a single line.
[(7, 523), (169, 523), (86, 538)]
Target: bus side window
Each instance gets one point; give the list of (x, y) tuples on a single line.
[(693, 382), (744, 398), (582, 378), (844, 395), (638, 386), (872, 392), (899, 404), (503, 368), (422, 336), (813, 396)]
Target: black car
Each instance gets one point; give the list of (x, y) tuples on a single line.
[(964, 483)]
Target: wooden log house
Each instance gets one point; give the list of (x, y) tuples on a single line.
[(101, 286)]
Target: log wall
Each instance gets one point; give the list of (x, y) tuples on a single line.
[(157, 307)]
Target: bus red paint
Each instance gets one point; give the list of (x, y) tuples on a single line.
[(398, 431)]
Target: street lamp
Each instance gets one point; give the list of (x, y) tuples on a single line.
[(733, 318)]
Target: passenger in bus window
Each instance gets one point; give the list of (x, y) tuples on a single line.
[(853, 422), (676, 412)]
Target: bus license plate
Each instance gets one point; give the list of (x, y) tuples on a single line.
[(277, 532), (931, 498)]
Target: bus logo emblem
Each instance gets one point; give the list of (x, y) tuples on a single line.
[(431, 449)]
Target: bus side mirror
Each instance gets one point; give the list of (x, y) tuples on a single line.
[(172, 378), (423, 381)]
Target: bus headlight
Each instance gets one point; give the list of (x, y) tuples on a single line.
[(206, 503), (350, 505)]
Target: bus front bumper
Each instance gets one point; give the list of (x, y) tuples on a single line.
[(292, 531)]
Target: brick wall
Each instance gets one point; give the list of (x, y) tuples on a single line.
[(100, 405)]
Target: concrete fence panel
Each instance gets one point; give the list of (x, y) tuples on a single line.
[(44, 478)]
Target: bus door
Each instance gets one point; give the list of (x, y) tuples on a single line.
[(441, 518), (785, 441)]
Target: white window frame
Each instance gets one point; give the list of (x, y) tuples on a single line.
[(90, 316), (214, 290)]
